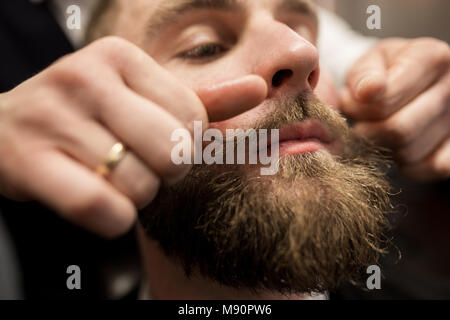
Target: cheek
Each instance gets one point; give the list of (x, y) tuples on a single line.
[(194, 75), (326, 90), (231, 66), (189, 75)]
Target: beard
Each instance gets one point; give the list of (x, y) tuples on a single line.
[(319, 221)]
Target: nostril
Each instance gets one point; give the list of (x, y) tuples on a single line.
[(280, 77), (313, 78)]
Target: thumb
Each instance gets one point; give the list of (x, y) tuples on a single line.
[(366, 80), (230, 98)]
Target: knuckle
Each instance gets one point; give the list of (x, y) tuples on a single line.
[(43, 113), (81, 79), (115, 50), (110, 44), (75, 72)]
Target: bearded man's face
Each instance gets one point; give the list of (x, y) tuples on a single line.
[(320, 219)]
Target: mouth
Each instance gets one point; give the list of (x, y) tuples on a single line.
[(303, 137)]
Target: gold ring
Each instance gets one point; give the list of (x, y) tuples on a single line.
[(115, 156)]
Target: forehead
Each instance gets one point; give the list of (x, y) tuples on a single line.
[(153, 4), (138, 19), (158, 8)]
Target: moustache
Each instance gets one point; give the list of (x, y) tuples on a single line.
[(303, 107), (301, 117)]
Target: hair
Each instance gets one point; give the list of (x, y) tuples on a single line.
[(320, 221)]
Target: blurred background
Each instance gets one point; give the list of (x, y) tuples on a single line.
[(401, 18), (420, 268)]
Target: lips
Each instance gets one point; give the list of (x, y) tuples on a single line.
[(303, 137)]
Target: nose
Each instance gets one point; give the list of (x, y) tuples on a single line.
[(287, 61)]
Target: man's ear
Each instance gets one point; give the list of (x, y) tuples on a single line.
[(326, 90)]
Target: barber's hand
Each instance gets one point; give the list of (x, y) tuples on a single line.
[(57, 127), (399, 95)]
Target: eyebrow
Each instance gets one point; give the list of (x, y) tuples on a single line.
[(169, 11), (305, 7)]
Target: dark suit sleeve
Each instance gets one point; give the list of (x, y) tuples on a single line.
[(31, 40)]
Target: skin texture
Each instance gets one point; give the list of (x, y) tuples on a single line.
[(58, 126)]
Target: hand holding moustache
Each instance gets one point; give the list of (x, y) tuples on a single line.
[(59, 126), (399, 95)]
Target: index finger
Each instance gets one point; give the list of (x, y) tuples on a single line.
[(230, 98)]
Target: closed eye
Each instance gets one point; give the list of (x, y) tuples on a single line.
[(203, 52)]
